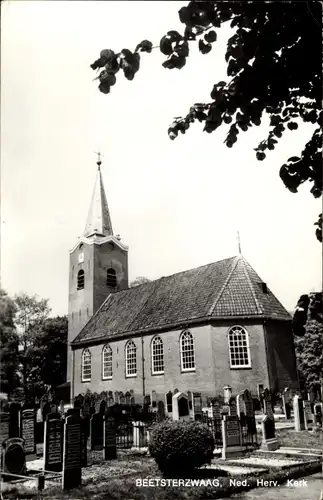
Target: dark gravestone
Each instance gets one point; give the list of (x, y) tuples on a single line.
[(233, 412), (28, 428), (183, 410), (84, 438), (109, 438), (14, 410), (46, 410), (4, 426), (216, 410), (197, 403), (13, 456), (103, 406), (161, 410), (169, 402), (268, 428), (53, 443), (96, 432), (301, 413), (72, 451)]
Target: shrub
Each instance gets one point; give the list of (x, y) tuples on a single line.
[(180, 447)]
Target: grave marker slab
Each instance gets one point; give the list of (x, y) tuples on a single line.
[(28, 428), (180, 406), (53, 443), (161, 410), (13, 456), (96, 432), (231, 436), (109, 438), (308, 415), (318, 407), (14, 429), (269, 440), (299, 419), (72, 451)]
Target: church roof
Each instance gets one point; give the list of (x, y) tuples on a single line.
[(98, 219), (227, 289)]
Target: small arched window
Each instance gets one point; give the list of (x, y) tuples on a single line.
[(106, 362), (86, 366), (239, 350), (80, 279), (157, 355), (187, 352), (111, 278), (131, 359)]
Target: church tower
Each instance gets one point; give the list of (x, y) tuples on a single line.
[(98, 266)]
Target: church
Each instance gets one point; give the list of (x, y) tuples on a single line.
[(199, 330)]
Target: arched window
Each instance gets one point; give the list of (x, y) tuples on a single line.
[(239, 347), (80, 279), (157, 355), (106, 362), (187, 352), (131, 359), (86, 366), (111, 278)]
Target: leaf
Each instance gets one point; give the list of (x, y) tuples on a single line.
[(107, 54), (260, 156), (174, 35), (294, 159), (211, 36), (144, 46), (165, 46), (204, 48), (292, 125)]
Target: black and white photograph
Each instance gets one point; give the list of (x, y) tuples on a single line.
[(161, 298)]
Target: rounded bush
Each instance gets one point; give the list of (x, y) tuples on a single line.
[(181, 447)]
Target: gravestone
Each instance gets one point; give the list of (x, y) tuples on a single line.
[(153, 399), (127, 397), (197, 405), (13, 457), (227, 393), (103, 406), (231, 436), (53, 443), (267, 402), (318, 413), (4, 426), (216, 410), (169, 402), (27, 429), (46, 407), (72, 453), (308, 415), (249, 412), (269, 440), (61, 407), (180, 407), (161, 411), (109, 438), (286, 406), (84, 438), (96, 432), (299, 418), (14, 429), (43, 401), (233, 412)]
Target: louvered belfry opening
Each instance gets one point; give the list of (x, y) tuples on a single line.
[(80, 279), (111, 278)]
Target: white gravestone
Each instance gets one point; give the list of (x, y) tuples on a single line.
[(180, 407)]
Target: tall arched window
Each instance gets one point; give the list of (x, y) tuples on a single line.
[(111, 278), (157, 355), (80, 279), (239, 347), (106, 362), (187, 352), (86, 366), (131, 359)]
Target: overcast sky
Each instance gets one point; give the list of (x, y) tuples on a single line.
[(177, 204)]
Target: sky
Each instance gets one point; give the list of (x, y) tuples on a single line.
[(176, 204)]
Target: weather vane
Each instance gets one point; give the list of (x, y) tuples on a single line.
[(99, 162)]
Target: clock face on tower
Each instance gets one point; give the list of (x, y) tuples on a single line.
[(81, 257)]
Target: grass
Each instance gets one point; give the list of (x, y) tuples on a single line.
[(302, 439)]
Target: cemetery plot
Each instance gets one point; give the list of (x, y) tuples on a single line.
[(72, 471)]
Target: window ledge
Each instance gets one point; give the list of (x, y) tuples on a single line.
[(106, 378), (240, 367), (86, 380), (187, 370), (131, 376), (157, 373)]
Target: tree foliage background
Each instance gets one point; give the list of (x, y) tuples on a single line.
[(308, 330), (273, 66), (33, 347)]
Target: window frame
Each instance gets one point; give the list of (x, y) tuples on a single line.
[(85, 352), (239, 348), (130, 375), (105, 348), (191, 369), (109, 274), (152, 355)]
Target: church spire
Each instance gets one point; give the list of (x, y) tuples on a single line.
[(98, 220)]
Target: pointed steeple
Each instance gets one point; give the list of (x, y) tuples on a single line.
[(98, 220)]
